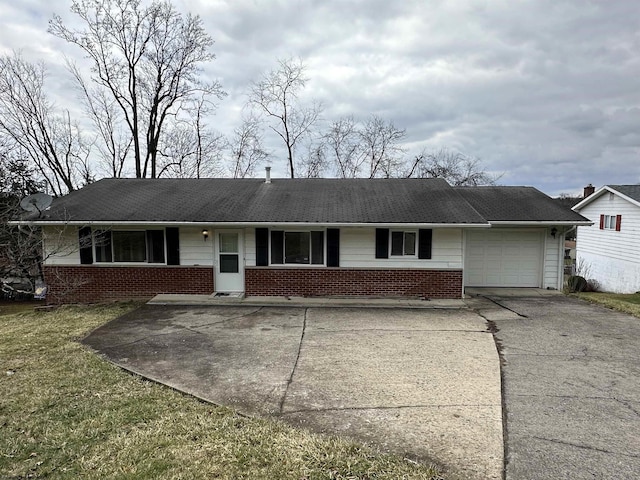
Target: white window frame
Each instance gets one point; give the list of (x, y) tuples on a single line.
[(404, 239), (95, 231), (609, 222), (284, 240)]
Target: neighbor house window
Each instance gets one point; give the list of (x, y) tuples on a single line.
[(138, 246), (403, 243), (297, 248), (610, 222)]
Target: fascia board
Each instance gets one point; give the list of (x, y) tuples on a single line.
[(251, 224), (601, 191), (539, 224), (597, 194), (586, 201)]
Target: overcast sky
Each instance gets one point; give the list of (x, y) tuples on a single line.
[(546, 92)]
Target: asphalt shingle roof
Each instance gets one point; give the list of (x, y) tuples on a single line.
[(517, 204), (631, 191), (329, 201)]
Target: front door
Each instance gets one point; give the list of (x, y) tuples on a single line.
[(229, 265)]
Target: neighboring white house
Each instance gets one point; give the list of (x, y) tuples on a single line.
[(609, 250)]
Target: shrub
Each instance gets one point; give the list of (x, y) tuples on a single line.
[(576, 283)]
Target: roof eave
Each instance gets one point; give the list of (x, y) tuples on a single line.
[(543, 223), (598, 193), (251, 224)]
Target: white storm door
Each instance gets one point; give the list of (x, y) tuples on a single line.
[(229, 264)]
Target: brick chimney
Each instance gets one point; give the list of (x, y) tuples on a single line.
[(588, 190)]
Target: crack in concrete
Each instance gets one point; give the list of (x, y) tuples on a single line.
[(225, 319), (193, 328), (492, 328), (295, 364), (586, 447), (501, 306), (395, 407)]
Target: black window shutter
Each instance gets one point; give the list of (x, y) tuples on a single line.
[(425, 240), (173, 245), (86, 245), (382, 243), (262, 247), (333, 247), (277, 246)]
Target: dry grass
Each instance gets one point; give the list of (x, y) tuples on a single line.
[(628, 303), (66, 413), (9, 307)]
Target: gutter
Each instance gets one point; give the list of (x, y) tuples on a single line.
[(248, 224), (502, 223)]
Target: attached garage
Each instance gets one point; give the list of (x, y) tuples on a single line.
[(504, 258)]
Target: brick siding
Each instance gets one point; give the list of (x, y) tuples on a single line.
[(308, 282), (91, 283)]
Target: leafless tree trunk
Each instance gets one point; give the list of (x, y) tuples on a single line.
[(276, 96), (148, 59), (30, 123), (456, 168)]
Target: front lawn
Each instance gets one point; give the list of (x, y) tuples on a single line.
[(624, 302), (66, 413)]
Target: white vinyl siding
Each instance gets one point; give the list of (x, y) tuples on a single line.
[(553, 272), (250, 247), (610, 257), (61, 246), (194, 250), (623, 245), (504, 258), (358, 248)]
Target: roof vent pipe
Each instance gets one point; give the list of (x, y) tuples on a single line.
[(588, 190), (267, 178)]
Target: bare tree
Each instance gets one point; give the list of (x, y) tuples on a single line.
[(115, 142), (343, 148), (276, 96), (147, 58), (382, 149), (456, 168), (371, 150), (20, 251), (33, 126), (315, 162), (246, 148), (192, 149), (191, 152)]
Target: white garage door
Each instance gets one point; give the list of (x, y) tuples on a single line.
[(507, 258)]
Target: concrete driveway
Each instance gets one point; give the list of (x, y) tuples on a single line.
[(572, 389), (420, 382)]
